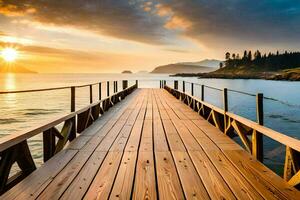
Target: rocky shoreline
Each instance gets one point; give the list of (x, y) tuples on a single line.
[(287, 75)]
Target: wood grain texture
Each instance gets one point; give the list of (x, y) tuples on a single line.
[(145, 182), (154, 147)]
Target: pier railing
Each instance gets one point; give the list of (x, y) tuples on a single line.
[(14, 148), (250, 133)]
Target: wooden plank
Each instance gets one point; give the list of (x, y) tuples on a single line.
[(222, 165), (189, 141), (55, 189), (32, 185), (168, 182), (213, 181), (116, 119), (149, 112), (160, 141), (110, 138), (122, 187), (134, 139), (191, 182), (122, 138), (237, 183), (147, 138), (270, 185), (101, 185), (173, 138), (45, 183), (145, 183), (61, 182), (169, 186), (79, 142), (265, 188), (79, 186)]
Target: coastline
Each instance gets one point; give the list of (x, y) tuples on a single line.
[(285, 75)]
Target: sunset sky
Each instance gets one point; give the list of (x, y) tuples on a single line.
[(114, 35)]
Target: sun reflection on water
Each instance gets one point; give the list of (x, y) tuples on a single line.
[(9, 81)]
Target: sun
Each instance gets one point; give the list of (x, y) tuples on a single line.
[(9, 54)]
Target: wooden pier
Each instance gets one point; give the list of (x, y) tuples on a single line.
[(153, 144)]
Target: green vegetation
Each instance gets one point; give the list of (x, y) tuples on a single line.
[(270, 62), (277, 66)]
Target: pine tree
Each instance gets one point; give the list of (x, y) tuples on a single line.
[(249, 57)]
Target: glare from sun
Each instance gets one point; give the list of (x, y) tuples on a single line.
[(9, 54)]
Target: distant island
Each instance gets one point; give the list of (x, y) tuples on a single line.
[(126, 72), (274, 66), (188, 67), (15, 70)]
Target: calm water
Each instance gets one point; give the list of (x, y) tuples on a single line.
[(23, 111)]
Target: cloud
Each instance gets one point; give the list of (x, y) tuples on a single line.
[(177, 50), (213, 23), (2, 34), (118, 18), (243, 21)]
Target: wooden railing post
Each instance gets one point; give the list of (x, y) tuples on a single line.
[(116, 86), (107, 86), (225, 99), (72, 135), (192, 89), (257, 138), (183, 86), (91, 94), (125, 84), (175, 85), (202, 92), (137, 83), (73, 99), (48, 144), (225, 104), (100, 91), (165, 83)]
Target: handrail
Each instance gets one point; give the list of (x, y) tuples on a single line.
[(279, 137), (13, 139), (10, 140), (48, 89), (67, 87), (275, 135), (234, 125), (73, 123)]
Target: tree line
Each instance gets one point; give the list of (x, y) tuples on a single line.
[(274, 61)]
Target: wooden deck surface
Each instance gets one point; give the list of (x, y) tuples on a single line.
[(152, 146)]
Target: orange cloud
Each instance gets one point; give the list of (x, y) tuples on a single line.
[(177, 22), (12, 10), (174, 21), (147, 9), (163, 10), (120, 19)]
